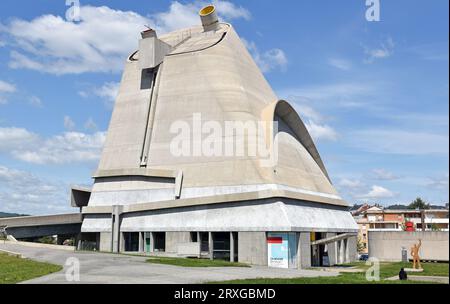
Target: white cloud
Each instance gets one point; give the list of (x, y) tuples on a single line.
[(336, 92), (108, 92), (228, 10), (69, 124), (35, 101), (382, 174), (384, 51), (186, 15), (68, 147), (340, 64), (269, 60), (321, 131), (440, 183), (314, 122), (102, 39), (398, 142), (378, 192), (6, 87), (16, 138), (90, 125), (23, 192), (349, 183)]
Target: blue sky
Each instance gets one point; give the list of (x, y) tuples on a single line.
[(374, 95)]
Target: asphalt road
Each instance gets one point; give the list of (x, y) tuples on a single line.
[(104, 268)]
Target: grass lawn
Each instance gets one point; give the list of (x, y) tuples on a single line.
[(14, 269), (189, 262), (387, 270)]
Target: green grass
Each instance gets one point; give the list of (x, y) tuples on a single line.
[(14, 269), (387, 270), (188, 262)]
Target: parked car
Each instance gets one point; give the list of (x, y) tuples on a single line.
[(364, 257)]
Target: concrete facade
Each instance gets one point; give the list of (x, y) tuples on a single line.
[(387, 245), (252, 248), (144, 193), (175, 238)]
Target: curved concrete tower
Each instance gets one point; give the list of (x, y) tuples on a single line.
[(178, 174)]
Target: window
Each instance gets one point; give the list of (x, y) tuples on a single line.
[(159, 241)]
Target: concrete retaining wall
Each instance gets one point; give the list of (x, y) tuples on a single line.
[(387, 245), (42, 245)]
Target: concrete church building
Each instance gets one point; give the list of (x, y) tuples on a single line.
[(146, 199)]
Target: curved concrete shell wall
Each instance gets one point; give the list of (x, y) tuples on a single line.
[(211, 74)]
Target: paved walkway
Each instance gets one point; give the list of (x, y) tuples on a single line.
[(103, 268)]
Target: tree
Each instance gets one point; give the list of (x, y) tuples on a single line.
[(360, 246), (419, 203)]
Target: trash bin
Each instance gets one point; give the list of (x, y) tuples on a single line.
[(404, 255)]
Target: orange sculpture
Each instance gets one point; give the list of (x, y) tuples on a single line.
[(415, 254)]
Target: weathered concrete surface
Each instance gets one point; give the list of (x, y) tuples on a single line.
[(304, 250), (44, 220), (263, 215), (98, 268), (252, 248), (387, 245), (41, 245), (211, 74), (38, 226)]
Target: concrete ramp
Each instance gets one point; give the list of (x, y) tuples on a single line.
[(37, 226)]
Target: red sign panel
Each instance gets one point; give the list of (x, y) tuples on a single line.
[(275, 240)]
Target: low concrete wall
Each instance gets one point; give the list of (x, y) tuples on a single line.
[(11, 253), (387, 245), (41, 245)]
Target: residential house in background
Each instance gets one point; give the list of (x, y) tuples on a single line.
[(377, 218)]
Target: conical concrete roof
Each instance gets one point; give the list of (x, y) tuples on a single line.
[(212, 75)]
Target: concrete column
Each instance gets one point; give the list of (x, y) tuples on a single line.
[(210, 245), (152, 242), (332, 250), (115, 229), (347, 251), (352, 243), (231, 247), (121, 242), (141, 241), (341, 252), (304, 250)]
